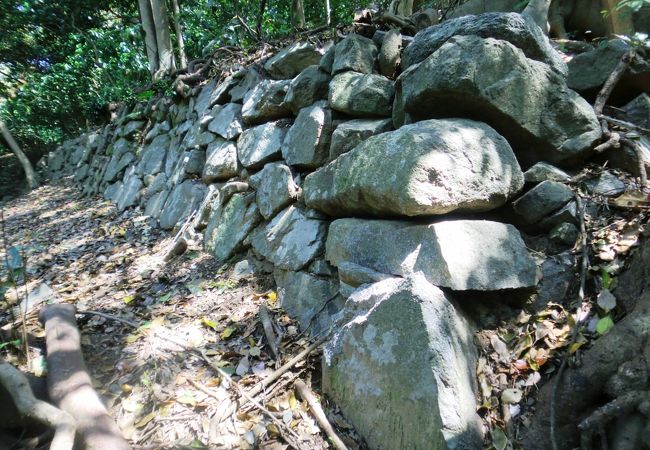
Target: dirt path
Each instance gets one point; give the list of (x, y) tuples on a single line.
[(162, 394)]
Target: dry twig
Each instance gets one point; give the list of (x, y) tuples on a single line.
[(613, 78), (268, 330), (319, 414)]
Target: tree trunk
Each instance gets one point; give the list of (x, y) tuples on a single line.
[(32, 179), (401, 7), (297, 14), (260, 18), (146, 19), (328, 12), (179, 34), (617, 21), (538, 11), (163, 36)]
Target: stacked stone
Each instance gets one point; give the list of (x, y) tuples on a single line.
[(343, 180)]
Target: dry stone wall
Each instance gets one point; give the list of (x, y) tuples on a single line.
[(341, 181)]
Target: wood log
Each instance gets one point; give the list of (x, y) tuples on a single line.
[(69, 382)]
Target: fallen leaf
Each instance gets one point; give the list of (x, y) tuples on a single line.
[(225, 334), (604, 325), (499, 439), (209, 323), (606, 300), (511, 396)]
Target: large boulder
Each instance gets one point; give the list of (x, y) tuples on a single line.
[(307, 142), (493, 81), (129, 194), (265, 102), (402, 370), (229, 225), (275, 188), (261, 144), (182, 201), (227, 121), (430, 167), (290, 61), (116, 166), (220, 162), (457, 254), (355, 53), (361, 95), (291, 240), (349, 134), (541, 201), (520, 31), (310, 86)]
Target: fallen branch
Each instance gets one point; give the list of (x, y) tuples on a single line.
[(624, 124), (28, 406), (319, 414), (109, 317), (613, 78), (69, 383), (268, 330), (634, 145)]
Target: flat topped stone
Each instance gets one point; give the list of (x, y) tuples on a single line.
[(355, 53), (493, 81), (457, 254), (361, 95), (514, 28), (293, 59), (430, 167), (262, 143)]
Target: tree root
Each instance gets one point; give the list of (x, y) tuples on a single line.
[(69, 383), (29, 407)]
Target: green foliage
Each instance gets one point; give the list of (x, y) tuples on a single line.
[(61, 61)]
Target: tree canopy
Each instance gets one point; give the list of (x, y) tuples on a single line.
[(62, 61)]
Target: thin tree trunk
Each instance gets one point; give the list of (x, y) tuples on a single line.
[(617, 21), (32, 179), (146, 19), (297, 14), (328, 12), (163, 36), (179, 34), (260, 17), (401, 7)]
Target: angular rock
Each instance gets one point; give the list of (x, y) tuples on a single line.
[(542, 171), (155, 204), (248, 82), (430, 167), (541, 201), (638, 111), (306, 298), (606, 184), (275, 188), (158, 129), (457, 254), (520, 31), (291, 240), (265, 102), (261, 144), (203, 100), (120, 147), (327, 61), (116, 165), (355, 53), (361, 95), (590, 70), (390, 53), (564, 233), (405, 362), (493, 81), (310, 86), (221, 161), (230, 224), (221, 94), (349, 134), (130, 192), (112, 191), (306, 145), (355, 275), (227, 123), (292, 60), (182, 201), (130, 129), (152, 158)]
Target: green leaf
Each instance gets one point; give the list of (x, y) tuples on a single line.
[(604, 325), (499, 439)]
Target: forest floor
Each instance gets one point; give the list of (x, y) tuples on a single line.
[(178, 341)]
